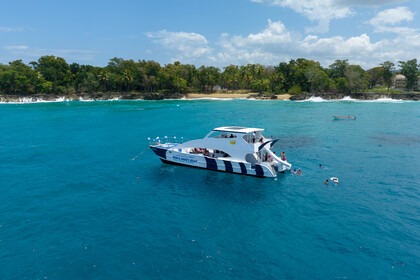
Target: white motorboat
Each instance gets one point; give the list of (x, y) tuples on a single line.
[(232, 149)]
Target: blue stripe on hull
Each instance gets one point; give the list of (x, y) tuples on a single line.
[(243, 168), (211, 163), (228, 166), (259, 170)]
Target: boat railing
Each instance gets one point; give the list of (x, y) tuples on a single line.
[(276, 158), (166, 140)]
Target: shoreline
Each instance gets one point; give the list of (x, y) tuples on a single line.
[(4, 99), (233, 96), (7, 98)]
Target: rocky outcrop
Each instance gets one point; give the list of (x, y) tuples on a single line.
[(89, 96), (160, 96), (262, 96)]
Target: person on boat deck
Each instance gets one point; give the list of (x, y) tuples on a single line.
[(283, 156)]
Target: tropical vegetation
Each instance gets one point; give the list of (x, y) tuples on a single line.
[(53, 75)]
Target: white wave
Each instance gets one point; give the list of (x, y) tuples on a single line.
[(349, 99), (388, 100), (314, 99), (379, 100), (85, 100), (29, 100)]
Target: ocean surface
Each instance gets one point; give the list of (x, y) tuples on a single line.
[(83, 197)]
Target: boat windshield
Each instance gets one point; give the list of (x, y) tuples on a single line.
[(209, 152), (221, 134), (254, 137)]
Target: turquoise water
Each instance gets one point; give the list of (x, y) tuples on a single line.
[(82, 196)]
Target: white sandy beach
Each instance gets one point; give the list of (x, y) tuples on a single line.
[(229, 95)]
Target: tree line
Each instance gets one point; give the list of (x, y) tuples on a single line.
[(53, 75)]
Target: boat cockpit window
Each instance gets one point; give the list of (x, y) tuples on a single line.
[(221, 134), (209, 152), (254, 137)]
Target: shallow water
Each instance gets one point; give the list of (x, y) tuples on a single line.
[(82, 195)]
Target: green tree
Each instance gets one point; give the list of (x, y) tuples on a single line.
[(276, 79), (286, 73), (19, 78), (230, 77), (411, 72), (388, 70), (355, 76), (315, 76), (55, 70), (375, 76), (338, 68), (90, 83), (84, 75), (152, 70), (247, 74), (293, 75), (261, 85), (342, 85), (208, 77), (103, 79)]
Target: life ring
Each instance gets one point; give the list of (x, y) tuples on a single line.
[(334, 179)]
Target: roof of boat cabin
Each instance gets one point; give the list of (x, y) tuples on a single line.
[(238, 129)]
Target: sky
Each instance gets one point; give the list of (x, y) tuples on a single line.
[(211, 32)]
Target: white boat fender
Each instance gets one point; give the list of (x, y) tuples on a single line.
[(334, 179)]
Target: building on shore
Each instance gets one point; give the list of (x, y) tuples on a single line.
[(400, 82)]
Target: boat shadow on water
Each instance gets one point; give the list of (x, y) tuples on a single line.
[(187, 181)]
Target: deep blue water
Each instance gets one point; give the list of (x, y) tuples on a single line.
[(82, 196)]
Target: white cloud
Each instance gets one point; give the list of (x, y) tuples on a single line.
[(323, 49), (387, 19), (369, 3), (16, 47), (275, 44), (263, 47), (9, 29), (274, 34), (359, 49), (324, 11), (24, 51), (321, 11), (189, 46)]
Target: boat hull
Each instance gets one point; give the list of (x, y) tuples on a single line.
[(215, 164)]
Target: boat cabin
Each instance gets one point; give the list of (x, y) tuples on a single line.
[(250, 135)]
